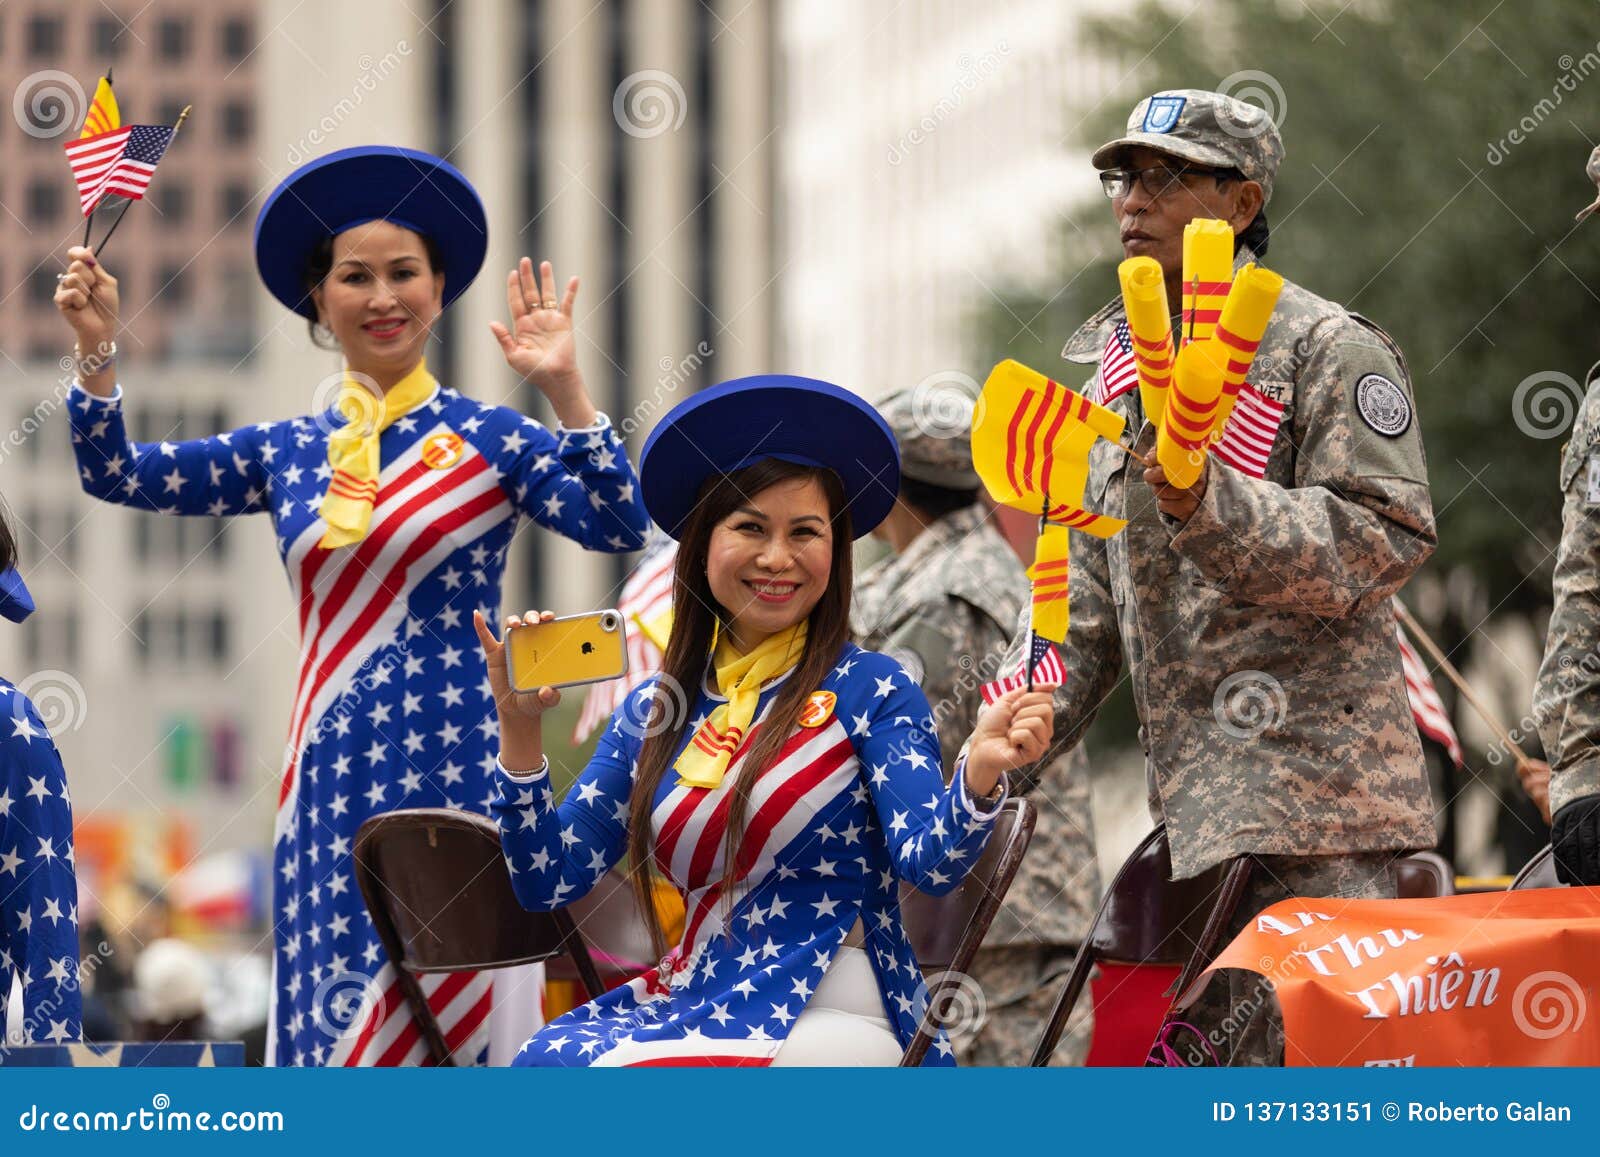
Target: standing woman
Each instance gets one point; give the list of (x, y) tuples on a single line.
[(785, 780), (394, 511)]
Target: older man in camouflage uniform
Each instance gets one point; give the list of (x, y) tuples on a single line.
[(1254, 612), (1566, 698), (944, 604)]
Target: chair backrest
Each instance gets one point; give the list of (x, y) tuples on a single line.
[(1422, 876), (947, 931), (1539, 872), (608, 918), (944, 929), (437, 879), (1146, 917)]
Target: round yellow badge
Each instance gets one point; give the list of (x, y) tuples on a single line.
[(818, 709), (442, 451)]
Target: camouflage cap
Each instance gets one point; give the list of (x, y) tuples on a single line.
[(933, 424), (1207, 128)]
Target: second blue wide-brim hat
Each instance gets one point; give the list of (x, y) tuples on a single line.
[(324, 197), (737, 423)]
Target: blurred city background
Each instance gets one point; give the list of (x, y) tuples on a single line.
[(879, 194)]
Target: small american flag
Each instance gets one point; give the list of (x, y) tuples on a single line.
[(1118, 373), (120, 162), (1426, 706), (1047, 668), (1246, 441)]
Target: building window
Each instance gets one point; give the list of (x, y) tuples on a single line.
[(42, 284), (169, 110), (44, 201), (236, 40), (236, 198), (173, 285), (172, 38), (108, 39), (172, 202), (236, 122), (44, 36)]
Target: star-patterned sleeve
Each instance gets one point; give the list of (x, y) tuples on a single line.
[(934, 831), (38, 887), (578, 483), (556, 853), (219, 476)]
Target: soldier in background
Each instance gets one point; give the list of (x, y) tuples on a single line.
[(1252, 609), (944, 604), (1566, 697)]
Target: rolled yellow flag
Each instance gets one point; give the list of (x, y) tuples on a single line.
[(1244, 320), (1144, 299), (1207, 275), (1191, 412)]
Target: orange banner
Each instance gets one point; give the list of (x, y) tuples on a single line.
[(1508, 978)]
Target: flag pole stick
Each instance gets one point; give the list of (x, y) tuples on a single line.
[(1027, 657), (1461, 685), (183, 116)]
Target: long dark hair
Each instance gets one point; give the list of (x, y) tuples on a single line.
[(695, 614)]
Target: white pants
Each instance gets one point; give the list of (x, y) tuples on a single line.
[(843, 1024)]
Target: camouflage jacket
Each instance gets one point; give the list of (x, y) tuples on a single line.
[(946, 609), (1258, 634), (1566, 698)]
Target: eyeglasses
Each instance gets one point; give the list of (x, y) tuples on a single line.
[(1156, 180)]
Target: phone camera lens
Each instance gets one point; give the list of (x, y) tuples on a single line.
[(608, 622)]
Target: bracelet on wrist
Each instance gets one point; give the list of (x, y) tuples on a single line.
[(95, 362)]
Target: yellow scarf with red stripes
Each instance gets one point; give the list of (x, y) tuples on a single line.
[(353, 450), (739, 679)]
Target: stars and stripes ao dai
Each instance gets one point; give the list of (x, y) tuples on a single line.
[(392, 707), (38, 886), (854, 804)]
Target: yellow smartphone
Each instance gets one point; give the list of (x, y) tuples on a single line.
[(567, 652)]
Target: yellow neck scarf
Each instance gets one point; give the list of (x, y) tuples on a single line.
[(739, 678), (353, 451)]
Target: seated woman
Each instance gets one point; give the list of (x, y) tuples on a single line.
[(38, 883), (781, 777)]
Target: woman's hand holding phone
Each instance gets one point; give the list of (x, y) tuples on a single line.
[(521, 736)]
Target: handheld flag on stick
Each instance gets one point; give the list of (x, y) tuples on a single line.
[(1191, 411), (103, 117), (1144, 299), (1207, 274), (1030, 445), (1243, 323), (117, 162), (1049, 574)]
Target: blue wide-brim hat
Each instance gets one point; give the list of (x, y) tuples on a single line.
[(737, 423), (408, 187), (16, 603)]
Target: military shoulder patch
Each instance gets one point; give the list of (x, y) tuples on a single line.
[(1593, 495), (1383, 405)]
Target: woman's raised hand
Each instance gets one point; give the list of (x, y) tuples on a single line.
[(539, 344), (87, 297)]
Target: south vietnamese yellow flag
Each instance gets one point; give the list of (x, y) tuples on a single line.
[(1030, 445), (1207, 275), (103, 115), (1049, 576)]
